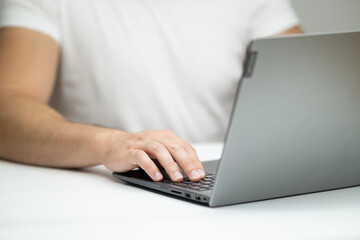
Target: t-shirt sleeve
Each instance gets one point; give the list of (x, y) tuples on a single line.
[(271, 17), (37, 15)]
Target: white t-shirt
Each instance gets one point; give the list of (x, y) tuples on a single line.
[(150, 64)]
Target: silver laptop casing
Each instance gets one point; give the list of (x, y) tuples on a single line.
[(295, 127)]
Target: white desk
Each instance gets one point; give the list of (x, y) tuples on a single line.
[(45, 203)]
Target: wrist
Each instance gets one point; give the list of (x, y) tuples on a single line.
[(104, 142)]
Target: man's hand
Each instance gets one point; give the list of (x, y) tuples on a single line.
[(126, 151)]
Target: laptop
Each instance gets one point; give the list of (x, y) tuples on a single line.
[(294, 129)]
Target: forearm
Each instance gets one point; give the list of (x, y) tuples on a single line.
[(32, 132)]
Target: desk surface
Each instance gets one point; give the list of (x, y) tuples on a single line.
[(46, 203)]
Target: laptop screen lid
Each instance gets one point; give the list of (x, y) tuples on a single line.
[(296, 122)]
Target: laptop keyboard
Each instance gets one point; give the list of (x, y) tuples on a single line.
[(205, 184)]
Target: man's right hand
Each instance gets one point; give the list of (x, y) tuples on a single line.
[(126, 151)]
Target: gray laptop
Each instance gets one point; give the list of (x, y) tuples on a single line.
[(295, 126)]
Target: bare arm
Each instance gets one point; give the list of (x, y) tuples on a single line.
[(32, 132), (293, 30)]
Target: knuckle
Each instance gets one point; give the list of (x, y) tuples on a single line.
[(155, 146), (187, 167), (172, 166), (138, 155), (188, 147), (175, 147)]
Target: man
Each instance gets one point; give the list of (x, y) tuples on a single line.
[(85, 82)]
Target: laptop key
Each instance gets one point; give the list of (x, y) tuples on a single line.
[(202, 185)]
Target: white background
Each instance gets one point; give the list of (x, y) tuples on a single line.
[(328, 15)]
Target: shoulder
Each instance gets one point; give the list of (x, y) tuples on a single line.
[(38, 15)]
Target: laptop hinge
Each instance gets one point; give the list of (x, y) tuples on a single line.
[(249, 64)]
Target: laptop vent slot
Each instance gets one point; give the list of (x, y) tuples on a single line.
[(249, 64)]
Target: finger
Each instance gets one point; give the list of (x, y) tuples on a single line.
[(186, 158), (159, 151), (183, 153), (193, 155), (144, 161)]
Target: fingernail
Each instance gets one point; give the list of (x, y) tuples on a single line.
[(178, 175), (158, 176), (202, 173), (195, 174)]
